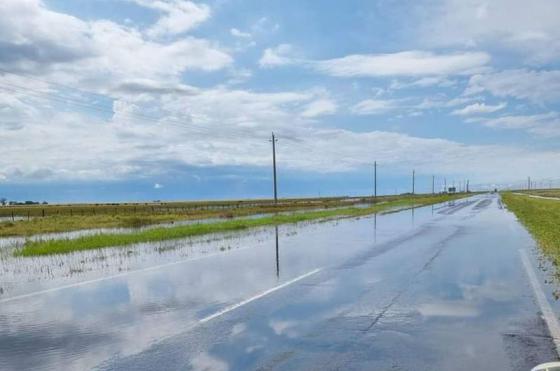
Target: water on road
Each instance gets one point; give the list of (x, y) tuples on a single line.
[(432, 288)]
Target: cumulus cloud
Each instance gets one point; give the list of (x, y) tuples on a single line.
[(544, 124), (320, 107), (374, 106), (237, 33), (479, 108), (178, 16), (531, 30), (280, 55), (94, 54), (221, 127), (536, 86), (407, 63)]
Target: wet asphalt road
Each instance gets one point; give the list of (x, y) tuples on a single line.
[(435, 288)]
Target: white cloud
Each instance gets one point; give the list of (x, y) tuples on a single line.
[(158, 186), (536, 86), (96, 54), (530, 29), (428, 81), (237, 33), (230, 128), (278, 56), (407, 63), (374, 106), (179, 16), (320, 107), (544, 124), (479, 108)]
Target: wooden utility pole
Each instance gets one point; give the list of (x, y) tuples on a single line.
[(274, 140), (413, 175), (433, 184), (528, 183), (375, 181)]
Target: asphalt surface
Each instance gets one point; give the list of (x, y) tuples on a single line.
[(434, 288)]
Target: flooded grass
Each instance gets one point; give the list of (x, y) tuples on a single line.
[(542, 219), (40, 219), (61, 246)]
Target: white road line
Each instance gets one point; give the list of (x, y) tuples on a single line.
[(258, 296), (118, 275), (547, 312)]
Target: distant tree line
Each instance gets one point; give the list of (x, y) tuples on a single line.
[(4, 202)]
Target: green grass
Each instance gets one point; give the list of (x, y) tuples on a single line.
[(61, 246), (65, 218), (542, 219)]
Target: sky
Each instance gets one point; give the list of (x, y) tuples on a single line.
[(132, 100)]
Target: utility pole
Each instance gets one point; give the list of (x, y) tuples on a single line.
[(413, 175), (445, 185), (528, 183), (467, 186), (433, 184), (274, 140), (375, 181)]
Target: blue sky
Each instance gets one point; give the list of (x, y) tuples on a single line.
[(138, 100)]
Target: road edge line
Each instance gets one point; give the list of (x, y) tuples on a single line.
[(547, 313)]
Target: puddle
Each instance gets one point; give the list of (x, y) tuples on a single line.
[(81, 309)]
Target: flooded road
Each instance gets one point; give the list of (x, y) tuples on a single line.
[(432, 288)]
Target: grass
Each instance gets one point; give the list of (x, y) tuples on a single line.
[(62, 246), (64, 218), (55, 224), (542, 219)]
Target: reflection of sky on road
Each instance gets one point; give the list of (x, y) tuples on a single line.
[(454, 296), (419, 289), (83, 325)]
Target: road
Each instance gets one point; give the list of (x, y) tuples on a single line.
[(450, 287)]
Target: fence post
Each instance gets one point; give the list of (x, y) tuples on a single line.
[(43, 212), (13, 219)]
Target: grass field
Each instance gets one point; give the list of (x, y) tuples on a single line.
[(64, 218), (542, 219), (61, 246)]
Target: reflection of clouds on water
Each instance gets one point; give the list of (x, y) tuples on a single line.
[(449, 309), (498, 291), (175, 283), (205, 362), (285, 328)]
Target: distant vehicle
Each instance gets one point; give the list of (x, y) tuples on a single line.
[(551, 366)]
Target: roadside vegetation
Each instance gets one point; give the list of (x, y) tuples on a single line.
[(542, 219), (61, 246), (40, 219)]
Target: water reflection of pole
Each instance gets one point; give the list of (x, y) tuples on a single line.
[(412, 212), (432, 209), (277, 257), (375, 228)]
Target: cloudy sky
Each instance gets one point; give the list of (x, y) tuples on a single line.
[(171, 99)]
